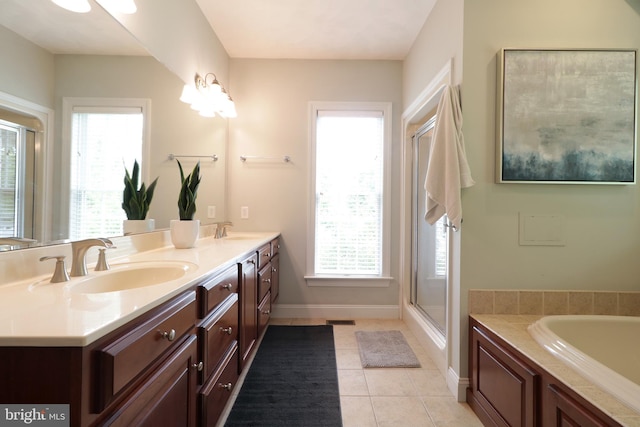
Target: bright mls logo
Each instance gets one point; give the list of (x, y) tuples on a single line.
[(38, 415)]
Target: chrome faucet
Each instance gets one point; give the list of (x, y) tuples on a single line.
[(221, 229), (79, 252)]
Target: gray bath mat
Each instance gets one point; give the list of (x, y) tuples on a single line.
[(385, 349)]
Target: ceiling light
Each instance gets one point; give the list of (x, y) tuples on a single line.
[(79, 6)]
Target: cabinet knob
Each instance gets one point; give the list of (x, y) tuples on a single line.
[(275, 270), (228, 330), (266, 312), (227, 286), (198, 366), (227, 386), (250, 261), (266, 254), (266, 280), (170, 336)]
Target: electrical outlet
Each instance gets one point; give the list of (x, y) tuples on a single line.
[(244, 212), (211, 212)]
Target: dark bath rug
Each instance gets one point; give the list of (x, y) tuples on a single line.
[(293, 381)]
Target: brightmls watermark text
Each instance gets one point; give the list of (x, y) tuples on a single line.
[(37, 415)]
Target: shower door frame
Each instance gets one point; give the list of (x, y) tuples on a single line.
[(415, 217)]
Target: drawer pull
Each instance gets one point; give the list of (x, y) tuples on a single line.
[(198, 366), (228, 330), (170, 336), (266, 312), (227, 286), (266, 280), (275, 270), (266, 254), (227, 386)]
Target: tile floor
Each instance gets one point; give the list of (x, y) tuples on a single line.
[(390, 397)]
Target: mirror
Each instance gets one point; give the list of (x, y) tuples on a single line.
[(52, 54)]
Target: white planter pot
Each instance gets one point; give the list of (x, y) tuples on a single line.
[(184, 233), (135, 226)]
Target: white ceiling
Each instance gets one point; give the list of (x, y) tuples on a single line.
[(310, 29), (60, 31), (318, 29)]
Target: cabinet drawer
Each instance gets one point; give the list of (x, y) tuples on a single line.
[(264, 281), (166, 398), (217, 333), (264, 255), (125, 358), (212, 292), (216, 393), (264, 313)]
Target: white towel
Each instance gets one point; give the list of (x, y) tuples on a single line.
[(448, 170)]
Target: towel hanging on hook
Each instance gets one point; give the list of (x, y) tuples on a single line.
[(447, 171)]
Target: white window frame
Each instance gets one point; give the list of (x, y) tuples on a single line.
[(69, 104), (383, 279)]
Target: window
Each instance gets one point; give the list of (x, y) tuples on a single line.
[(104, 139), (349, 214), (10, 174)]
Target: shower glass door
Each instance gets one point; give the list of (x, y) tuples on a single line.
[(429, 242)]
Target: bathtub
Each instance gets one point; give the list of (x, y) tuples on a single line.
[(603, 349)]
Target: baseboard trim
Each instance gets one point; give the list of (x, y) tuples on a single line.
[(325, 311), (458, 386)]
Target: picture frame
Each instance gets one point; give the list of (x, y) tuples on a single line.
[(566, 116)]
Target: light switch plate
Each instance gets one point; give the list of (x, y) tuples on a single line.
[(211, 212), (244, 212)]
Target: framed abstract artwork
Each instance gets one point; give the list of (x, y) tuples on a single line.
[(566, 116)]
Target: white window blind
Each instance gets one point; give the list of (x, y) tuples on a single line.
[(441, 247), (349, 192), (9, 178), (104, 140)]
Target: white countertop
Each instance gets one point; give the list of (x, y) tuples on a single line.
[(34, 312)]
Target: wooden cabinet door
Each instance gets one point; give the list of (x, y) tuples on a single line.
[(561, 410), (168, 397), (275, 277), (503, 387), (248, 308)]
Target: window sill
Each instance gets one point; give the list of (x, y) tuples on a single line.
[(349, 281)]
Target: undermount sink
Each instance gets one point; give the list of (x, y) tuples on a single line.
[(241, 237), (132, 275), (121, 277)]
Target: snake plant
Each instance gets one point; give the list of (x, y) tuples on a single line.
[(188, 192), (136, 201)]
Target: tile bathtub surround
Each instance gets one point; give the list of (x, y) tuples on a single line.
[(533, 302)]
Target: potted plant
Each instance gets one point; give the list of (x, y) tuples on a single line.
[(184, 232), (136, 202)]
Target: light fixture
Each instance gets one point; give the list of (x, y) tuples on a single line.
[(126, 7), (79, 6), (208, 97)]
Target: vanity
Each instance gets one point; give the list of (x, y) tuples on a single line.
[(168, 353)]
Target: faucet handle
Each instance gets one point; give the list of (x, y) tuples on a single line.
[(60, 273), (102, 264)]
